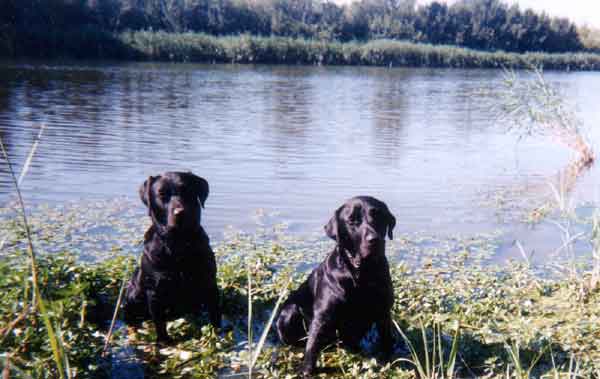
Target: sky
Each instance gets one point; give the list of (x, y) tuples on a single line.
[(579, 11)]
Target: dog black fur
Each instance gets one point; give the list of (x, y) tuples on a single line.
[(177, 275), (350, 290)]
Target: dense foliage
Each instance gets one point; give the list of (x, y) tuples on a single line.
[(504, 322), (88, 27)]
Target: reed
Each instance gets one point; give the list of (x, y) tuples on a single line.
[(534, 107), (250, 336), (267, 328), (27, 165), (37, 301), (248, 49)]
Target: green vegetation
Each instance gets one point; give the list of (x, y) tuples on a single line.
[(458, 315), (72, 292), (372, 32), (191, 47)]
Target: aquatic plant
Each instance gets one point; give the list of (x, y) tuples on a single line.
[(534, 107), (528, 106), (459, 312)]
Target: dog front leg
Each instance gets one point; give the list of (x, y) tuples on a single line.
[(214, 308), (384, 328), (159, 319), (321, 332)]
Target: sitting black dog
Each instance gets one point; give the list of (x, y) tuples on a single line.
[(349, 291), (178, 271)]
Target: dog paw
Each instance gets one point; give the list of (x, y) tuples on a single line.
[(308, 372)]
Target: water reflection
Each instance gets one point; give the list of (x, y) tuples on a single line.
[(390, 109), (297, 140)]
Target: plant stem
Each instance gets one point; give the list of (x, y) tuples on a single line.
[(26, 166), (37, 300), (250, 338), (114, 318)]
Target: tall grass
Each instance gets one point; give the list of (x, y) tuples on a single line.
[(254, 353), (532, 107), (529, 106), (115, 314), (519, 370), (198, 47), (26, 166), (267, 328), (434, 362), (250, 336), (37, 301)]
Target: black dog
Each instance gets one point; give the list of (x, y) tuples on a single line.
[(349, 291), (178, 271)]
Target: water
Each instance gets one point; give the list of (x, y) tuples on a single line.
[(286, 143)]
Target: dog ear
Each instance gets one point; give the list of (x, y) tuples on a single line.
[(145, 189), (147, 197), (332, 229), (201, 188), (391, 224)]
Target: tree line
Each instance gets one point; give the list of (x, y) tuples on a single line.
[(47, 27)]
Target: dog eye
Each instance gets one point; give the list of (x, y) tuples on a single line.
[(354, 221), (162, 194)]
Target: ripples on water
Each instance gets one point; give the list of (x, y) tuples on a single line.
[(292, 140)]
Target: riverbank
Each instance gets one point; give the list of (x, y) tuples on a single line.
[(248, 49), (455, 314)]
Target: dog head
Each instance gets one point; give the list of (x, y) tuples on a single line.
[(174, 201), (360, 226)]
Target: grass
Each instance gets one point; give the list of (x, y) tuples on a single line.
[(196, 47), (457, 316), (432, 362)]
